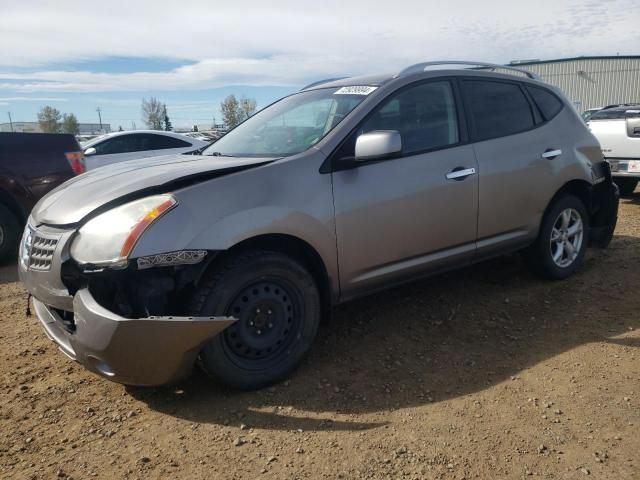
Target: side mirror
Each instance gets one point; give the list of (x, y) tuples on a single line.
[(89, 151), (378, 145)]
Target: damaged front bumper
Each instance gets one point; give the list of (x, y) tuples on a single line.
[(141, 351)]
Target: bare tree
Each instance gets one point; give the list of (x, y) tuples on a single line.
[(152, 113), (70, 124), (49, 119), (247, 107)]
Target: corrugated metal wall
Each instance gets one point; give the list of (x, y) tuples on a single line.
[(592, 83)]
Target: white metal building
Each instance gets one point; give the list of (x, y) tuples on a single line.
[(34, 127), (591, 82)]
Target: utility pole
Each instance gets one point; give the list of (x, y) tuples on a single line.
[(10, 121), (99, 117)]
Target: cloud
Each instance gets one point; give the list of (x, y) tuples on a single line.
[(32, 99), (289, 42)]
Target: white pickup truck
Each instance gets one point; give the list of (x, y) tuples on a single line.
[(618, 131)]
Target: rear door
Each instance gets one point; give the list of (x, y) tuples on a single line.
[(515, 174), (403, 217)]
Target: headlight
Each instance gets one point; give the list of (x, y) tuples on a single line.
[(109, 238)]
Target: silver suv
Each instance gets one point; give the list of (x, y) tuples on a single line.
[(345, 188)]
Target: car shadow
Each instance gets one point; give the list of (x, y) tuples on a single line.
[(430, 341), (9, 272)]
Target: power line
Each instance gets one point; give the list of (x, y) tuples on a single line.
[(99, 116)]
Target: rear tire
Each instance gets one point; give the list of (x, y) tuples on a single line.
[(626, 185), (277, 304), (562, 241), (9, 235)]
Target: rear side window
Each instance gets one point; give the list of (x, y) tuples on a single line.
[(497, 109), (162, 142), (548, 104)]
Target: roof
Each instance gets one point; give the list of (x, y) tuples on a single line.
[(571, 59)]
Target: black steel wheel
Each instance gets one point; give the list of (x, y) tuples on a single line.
[(277, 304)]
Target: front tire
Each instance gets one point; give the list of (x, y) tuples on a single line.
[(562, 241), (277, 304), (626, 185)]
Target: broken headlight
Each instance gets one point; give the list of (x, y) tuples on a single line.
[(109, 238)]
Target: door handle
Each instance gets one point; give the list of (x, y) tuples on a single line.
[(551, 153), (460, 173)]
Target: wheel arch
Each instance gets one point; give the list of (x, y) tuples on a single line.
[(297, 249), (590, 195), (13, 206)]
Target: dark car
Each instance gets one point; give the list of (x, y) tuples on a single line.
[(31, 165)]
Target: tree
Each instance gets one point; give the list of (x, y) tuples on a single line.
[(70, 124), (229, 108), (247, 107), (152, 113), (235, 111), (167, 123), (49, 119)]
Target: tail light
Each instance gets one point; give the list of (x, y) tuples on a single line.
[(76, 160)]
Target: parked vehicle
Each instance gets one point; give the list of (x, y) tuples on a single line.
[(587, 114), (31, 164), (617, 128), (343, 189), (120, 146)]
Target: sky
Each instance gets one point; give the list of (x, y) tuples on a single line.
[(80, 55)]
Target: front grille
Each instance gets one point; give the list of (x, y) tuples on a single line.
[(38, 249)]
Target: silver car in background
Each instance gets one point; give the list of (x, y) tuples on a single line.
[(343, 189), (122, 146)]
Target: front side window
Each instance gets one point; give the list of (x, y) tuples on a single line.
[(119, 144), (497, 109), (289, 126), (424, 115)]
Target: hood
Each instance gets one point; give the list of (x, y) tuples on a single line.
[(72, 201)]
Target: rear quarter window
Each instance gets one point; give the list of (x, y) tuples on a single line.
[(548, 104), (497, 109)]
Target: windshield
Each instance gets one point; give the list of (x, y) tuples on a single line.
[(289, 126), (616, 113)]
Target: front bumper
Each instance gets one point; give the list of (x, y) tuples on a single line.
[(142, 351)]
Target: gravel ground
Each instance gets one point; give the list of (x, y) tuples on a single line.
[(482, 373)]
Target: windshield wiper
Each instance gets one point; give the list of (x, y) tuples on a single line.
[(218, 154)]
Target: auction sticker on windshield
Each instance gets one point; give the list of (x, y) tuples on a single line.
[(355, 90)]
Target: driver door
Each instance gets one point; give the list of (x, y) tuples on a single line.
[(409, 215)]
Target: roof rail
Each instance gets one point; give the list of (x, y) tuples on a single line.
[(421, 67), (320, 82)]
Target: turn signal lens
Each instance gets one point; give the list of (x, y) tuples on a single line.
[(143, 224)]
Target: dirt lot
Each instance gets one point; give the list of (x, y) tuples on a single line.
[(484, 373)]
